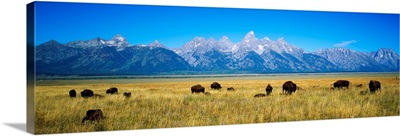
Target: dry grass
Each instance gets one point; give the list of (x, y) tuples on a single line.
[(171, 104)]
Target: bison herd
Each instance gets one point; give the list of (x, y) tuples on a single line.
[(86, 93), (288, 88), (95, 114)]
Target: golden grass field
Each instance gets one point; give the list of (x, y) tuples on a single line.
[(166, 103)]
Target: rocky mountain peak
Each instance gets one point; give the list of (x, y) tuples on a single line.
[(118, 41), (250, 37), (118, 38), (155, 44)]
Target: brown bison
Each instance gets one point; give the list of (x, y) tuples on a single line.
[(259, 95), (127, 94), (289, 87), (216, 86), (93, 115), (207, 93), (359, 85), (230, 89), (341, 83), (87, 93), (112, 90), (268, 89), (374, 86), (72, 93), (197, 89)]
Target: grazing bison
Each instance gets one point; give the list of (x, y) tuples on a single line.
[(87, 93), (112, 90), (197, 89), (259, 95), (289, 87), (216, 86), (341, 83), (374, 86), (268, 89), (72, 93), (127, 94), (207, 93), (93, 115), (359, 85), (230, 89)]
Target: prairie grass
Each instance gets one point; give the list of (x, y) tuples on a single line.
[(166, 104)]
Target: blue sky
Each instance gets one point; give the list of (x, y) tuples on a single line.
[(175, 26)]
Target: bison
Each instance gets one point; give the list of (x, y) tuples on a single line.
[(259, 95), (359, 85), (112, 90), (72, 93), (288, 87), (197, 89), (374, 86), (127, 94), (93, 115), (341, 84), (268, 89), (230, 89), (207, 93), (87, 93), (216, 86)]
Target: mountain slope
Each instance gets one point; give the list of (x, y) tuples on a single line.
[(118, 57), (387, 57), (349, 60)]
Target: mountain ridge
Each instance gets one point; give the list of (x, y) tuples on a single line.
[(250, 55)]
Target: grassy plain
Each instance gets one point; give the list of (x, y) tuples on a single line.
[(168, 102)]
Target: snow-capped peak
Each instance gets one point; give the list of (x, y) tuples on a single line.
[(223, 38), (249, 36), (118, 41), (265, 39), (118, 38)]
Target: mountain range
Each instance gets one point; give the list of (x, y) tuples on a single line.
[(251, 55)]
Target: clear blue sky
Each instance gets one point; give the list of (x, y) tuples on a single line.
[(175, 26)]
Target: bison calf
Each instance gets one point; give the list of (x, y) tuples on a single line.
[(259, 95), (127, 94), (93, 115), (230, 89)]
